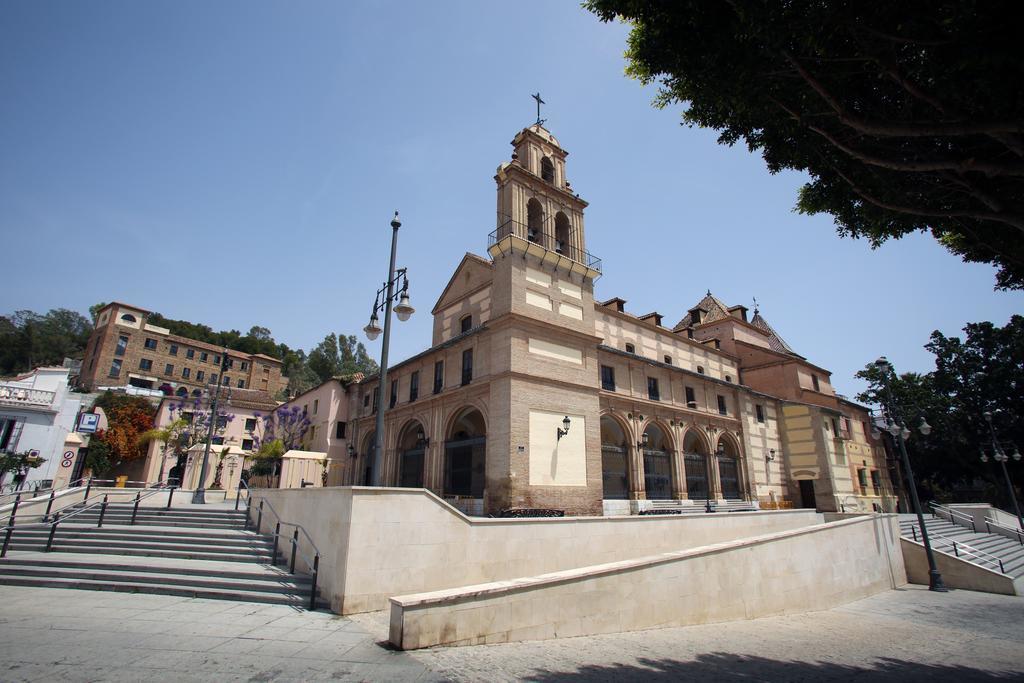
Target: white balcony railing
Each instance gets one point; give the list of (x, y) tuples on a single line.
[(21, 396)]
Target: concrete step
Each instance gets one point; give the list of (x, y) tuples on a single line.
[(207, 568), (91, 518), (62, 546), (159, 589), (136, 534)]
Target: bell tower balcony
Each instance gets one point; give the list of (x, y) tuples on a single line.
[(513, 237)]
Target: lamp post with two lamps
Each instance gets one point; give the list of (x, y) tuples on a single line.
[(897, 429), (999, 455), (387, 294)]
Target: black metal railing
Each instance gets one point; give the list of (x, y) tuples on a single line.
[(102, 501), (293, 538), (545, 237)]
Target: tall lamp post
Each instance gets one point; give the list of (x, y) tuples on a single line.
[(199, 497), (385, 296), (999, 455), (898, 431)]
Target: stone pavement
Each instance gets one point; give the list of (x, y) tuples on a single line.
[(905, 635)]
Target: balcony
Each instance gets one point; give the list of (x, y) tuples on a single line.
[(18, 396), (517, 237)]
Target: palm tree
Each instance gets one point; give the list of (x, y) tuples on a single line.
[(172, 433)]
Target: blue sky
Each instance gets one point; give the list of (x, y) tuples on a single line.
[(237, 163)]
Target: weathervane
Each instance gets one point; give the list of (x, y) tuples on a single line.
[(536, 96), (755, 305)]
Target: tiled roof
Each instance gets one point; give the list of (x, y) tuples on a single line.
[(716, 310), (775, 342)]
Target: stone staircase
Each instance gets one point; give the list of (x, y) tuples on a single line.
[(191, 551), (942, 533)]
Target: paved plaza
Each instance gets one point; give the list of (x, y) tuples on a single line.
[(904, 635)]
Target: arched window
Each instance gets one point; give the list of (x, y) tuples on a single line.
[(614, 452), (534, 220), (547, 170), (129, 318), (562, 233), (182, 391), (657, 464)]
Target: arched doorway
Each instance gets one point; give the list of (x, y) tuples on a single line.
[(695, 461), (411, 449), (465, 455), (614, 460), (657, 463), (729, 469), (365, 478), (534, 220), (182, 392)]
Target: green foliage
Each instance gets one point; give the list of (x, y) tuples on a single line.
[(258, 339), (99, 458), (29, 340), (338, 355), (982, 372), (19, 462), (906, 115)]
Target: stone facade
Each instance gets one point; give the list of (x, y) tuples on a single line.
[(125, 350), (712, 410)]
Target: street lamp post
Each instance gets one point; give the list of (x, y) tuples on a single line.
[(385, 296), (899, 433), (999, 455), (199, 497)]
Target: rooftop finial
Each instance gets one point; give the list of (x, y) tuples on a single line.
[(536, 96), (755, 305), (709, 292)]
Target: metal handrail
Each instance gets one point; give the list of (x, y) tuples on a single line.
[(238, 494), (314, 565), (961, 547), (10, 526), (955, 516), (989, 523), (61, 493)]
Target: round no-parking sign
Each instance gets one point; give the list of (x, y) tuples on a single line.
[(68, 460)]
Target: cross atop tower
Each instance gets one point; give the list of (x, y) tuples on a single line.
[(536, 96)]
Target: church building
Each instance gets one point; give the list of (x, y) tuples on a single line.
[(534, 394)]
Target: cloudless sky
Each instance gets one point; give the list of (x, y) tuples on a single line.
[(237, 163)]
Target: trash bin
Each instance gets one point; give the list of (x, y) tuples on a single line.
[(120, 481)]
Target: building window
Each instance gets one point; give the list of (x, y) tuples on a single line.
[(760, 413), (225, 380), (145, 364), (393, 397), (668, 360), (366, 401), (200, 374), (376, 398), (246, 444), (190, 353), (229, 362), (250, 424), (630, 348), (718, 344), (186, 373), (311, 435), (115, 368), (414, 386), (245, 365), (728, 378), (466, 324), (467, 366), (316, 405), (173, 350), (608, 377), (129, 318), (339, 430), (862, 479), (169, 369), (203, 356), (700, 369), (721, 405), (835, 427), (241, 384), (815, 383), (216, 360), (846, 427), (438, 376), (218, 441), (691, 398), (188, 417), (652, 389), (122, 345), (547, 170), (876, 482), (150, 343), (222, 422), (213, 378)]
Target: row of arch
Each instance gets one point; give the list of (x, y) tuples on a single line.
[(661, 476), (535, 231)]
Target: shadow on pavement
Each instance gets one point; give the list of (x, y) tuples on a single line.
[(717, 666)]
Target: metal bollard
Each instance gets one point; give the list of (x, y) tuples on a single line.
[(295, 547), (103, 510), (49, 506), (135, 508), (277, 533), (53, 532)]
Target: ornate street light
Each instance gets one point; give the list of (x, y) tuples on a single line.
[(999, 455), (200, 493), (897, 429), (386, 295)]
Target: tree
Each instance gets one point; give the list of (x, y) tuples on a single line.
[(171, 436), (982, 372), (29, 340), (128, 418), (907, 116), (286, 424)]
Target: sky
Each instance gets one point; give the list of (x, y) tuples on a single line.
[(238, 164)]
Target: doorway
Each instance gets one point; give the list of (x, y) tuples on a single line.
[(807, 494)]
